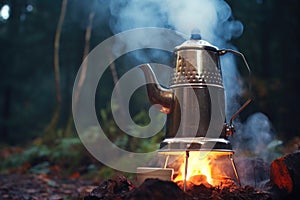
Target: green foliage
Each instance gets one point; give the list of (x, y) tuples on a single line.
[(28, 155), (66, 152), (65, 148), (41, 168), (106, 172)]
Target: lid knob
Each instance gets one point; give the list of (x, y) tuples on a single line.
[(195, 34)]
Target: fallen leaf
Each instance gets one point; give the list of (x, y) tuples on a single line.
[(74, 175)]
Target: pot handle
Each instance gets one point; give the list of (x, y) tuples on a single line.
[(224, 51), (230, 128)]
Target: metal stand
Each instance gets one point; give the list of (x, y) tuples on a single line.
[(166, 162), (187, 154), (235, 170)]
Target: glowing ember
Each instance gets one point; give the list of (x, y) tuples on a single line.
[(205, 168)]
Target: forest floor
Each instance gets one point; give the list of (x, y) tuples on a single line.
[(42, 186)]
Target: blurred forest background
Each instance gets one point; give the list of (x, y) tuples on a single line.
[(43, 43)]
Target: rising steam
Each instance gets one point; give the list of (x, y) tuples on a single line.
[(212, 17)]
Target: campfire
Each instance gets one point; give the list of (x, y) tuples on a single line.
[(206, 168), (215, 168)]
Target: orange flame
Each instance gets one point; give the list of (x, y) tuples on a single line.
[(201, 169)]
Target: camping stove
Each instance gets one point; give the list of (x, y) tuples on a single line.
[(195, 107)]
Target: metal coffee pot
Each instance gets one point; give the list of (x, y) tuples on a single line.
[(195, 100)]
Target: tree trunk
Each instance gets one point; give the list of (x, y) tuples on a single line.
[(50, 131)]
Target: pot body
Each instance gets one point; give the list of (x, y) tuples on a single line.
[(199, 102)]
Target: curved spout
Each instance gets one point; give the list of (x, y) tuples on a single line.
[(156, 93)]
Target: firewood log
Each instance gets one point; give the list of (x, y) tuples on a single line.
[(285, 175)]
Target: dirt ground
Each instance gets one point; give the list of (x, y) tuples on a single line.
[(36, 187)]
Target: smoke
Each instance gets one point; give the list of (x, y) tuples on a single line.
[(212, 17), (256, 137)]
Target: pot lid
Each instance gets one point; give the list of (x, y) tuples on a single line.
[(195, 42)]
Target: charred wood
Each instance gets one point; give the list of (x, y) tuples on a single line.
[(285, 176)]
